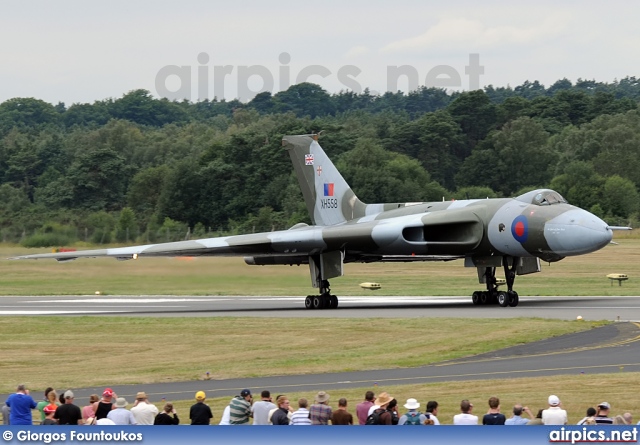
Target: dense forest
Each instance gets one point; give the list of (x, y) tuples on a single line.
[(139, 169)]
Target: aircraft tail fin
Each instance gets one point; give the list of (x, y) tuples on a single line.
[(329, 198)]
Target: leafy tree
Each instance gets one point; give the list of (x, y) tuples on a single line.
[(436, 141), (144, 191), (26, 112), (99, 226), (172, 231), (12, 202), (376, 175), (86, 114), (560, 85), (127, 226), (530, 90), (262, 102), (140, 107), (98, 180), (579, 184), (620, 197), (23, 165), (475, 114), (512, 108), (474, 193), (518, 155), (304, 99)]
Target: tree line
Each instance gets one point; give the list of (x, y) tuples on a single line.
[(138, 168)]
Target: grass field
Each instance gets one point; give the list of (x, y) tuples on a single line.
[(583, 275), (144, 350)]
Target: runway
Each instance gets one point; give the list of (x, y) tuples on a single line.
[(565, 307)]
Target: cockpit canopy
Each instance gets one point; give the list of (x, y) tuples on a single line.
[(542, 197)]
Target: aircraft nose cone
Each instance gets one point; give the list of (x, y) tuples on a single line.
[(577, 232)]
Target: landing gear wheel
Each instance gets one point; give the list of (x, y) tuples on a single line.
[(318, 302), (484, 298), (475, 298), (503, 299), (513, 298), (333, 302), (308, 302)]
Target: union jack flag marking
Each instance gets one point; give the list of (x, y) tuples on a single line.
[(308, 159)]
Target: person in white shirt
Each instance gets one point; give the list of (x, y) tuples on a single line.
[(260, 410), (465, 417), (121, 415), (554, 415), (432, 411), (143, 411), (301, 416), (226, 415)]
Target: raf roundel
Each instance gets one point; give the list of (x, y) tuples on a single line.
[(520, 229)]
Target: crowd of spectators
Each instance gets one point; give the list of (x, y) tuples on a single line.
[(380, 409)]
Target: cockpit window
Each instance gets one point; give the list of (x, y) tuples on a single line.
[(543, 197), (548, 198)]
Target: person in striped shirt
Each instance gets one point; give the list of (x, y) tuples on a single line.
[(240, 408), (301, 416)]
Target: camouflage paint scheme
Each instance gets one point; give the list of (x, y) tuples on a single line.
[(515, 233)]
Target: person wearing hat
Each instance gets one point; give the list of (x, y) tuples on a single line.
[(168, 416), (465, 417), (320, 412), (375, 406), (554, 415), (49, 412), (68, 414), (104, 405), (200, 413), (381, 415), (240, 408), (121, 415), (602, 416), (413, 416), (143, 411)]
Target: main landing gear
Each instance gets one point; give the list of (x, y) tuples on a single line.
[(323, 301), (492, 295)]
